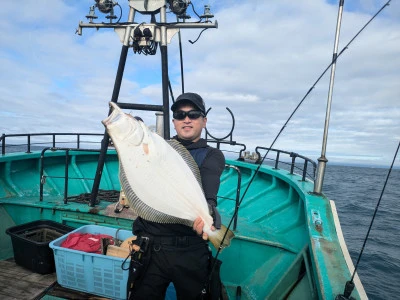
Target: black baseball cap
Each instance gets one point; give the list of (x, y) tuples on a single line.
[(192, 98)]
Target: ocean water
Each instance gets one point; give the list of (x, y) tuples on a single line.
[(356, 191)]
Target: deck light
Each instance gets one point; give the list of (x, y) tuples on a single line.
[(147, 34), (178, 7), (105, 6)]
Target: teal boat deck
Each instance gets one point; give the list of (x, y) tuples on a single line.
[(285, 241)]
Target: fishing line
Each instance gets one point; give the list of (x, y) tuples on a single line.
[(349, 284), (334, 59)]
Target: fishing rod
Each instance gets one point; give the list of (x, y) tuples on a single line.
[(334, 59), (350, 284), (292, 114)]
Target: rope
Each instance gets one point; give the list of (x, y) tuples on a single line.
[(105, 195)]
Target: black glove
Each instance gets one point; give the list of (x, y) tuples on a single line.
[(215, 215)]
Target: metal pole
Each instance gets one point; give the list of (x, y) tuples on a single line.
[(323, 160), (159, 123), (66, 177), (42, 180), (164, 70), (181, 57), (29, 144), (3, 144), (114, 98)]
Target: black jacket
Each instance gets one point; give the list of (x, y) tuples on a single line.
[(210, 170)]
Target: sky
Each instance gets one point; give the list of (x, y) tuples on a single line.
[(260, 62)]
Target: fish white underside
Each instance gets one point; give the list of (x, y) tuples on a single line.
[(162, 183), (167, 190)]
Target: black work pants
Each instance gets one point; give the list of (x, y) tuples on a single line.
[(185, 266)]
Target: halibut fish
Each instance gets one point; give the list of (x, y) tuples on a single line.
[(160, 179)]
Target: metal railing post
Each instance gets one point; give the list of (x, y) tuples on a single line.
[(66, 176)]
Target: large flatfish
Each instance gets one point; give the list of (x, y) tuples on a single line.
[(160, 179)]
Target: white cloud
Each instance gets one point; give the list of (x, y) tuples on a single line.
[(260, 62)]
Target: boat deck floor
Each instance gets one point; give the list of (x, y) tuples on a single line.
[(18, 283)]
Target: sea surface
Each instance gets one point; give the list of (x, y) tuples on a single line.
[(356, 191)]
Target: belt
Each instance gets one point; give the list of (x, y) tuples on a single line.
[(177, 241)]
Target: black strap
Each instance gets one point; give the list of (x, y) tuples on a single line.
[(177, 241), (139, 262)]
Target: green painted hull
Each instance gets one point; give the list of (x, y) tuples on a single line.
[(286, 246)]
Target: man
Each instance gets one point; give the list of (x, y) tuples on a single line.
[(178, 253)]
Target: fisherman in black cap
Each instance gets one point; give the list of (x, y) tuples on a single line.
[(178, 253)]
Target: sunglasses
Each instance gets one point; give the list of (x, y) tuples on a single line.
[(192, 114)]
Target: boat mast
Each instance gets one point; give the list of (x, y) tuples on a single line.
[(164, 71), (323, 160), (143, 37)]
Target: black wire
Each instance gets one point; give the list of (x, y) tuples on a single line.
[(198, 36), (120, 16), (376, 210), (195, 11)]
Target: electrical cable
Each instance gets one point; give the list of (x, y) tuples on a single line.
[(120, 15)]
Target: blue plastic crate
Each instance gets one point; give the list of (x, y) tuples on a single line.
[(97, 274)]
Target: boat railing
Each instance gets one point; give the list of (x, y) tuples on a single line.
[(52, 139), (230, 143), (66, 169), (237, 198), (293, 164)]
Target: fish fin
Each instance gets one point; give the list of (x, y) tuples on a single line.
[(218, 240)]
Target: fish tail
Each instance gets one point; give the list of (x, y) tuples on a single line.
[(217, 237)]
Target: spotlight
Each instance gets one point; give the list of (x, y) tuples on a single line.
[(178, 7), (137, 34), (147, 34), (105, 6)]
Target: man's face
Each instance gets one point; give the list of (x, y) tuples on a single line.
[(189, 129)]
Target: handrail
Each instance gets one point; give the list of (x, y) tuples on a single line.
[(232, 143), (66, 178), (53, 141), (293, 155), (237, 200)]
